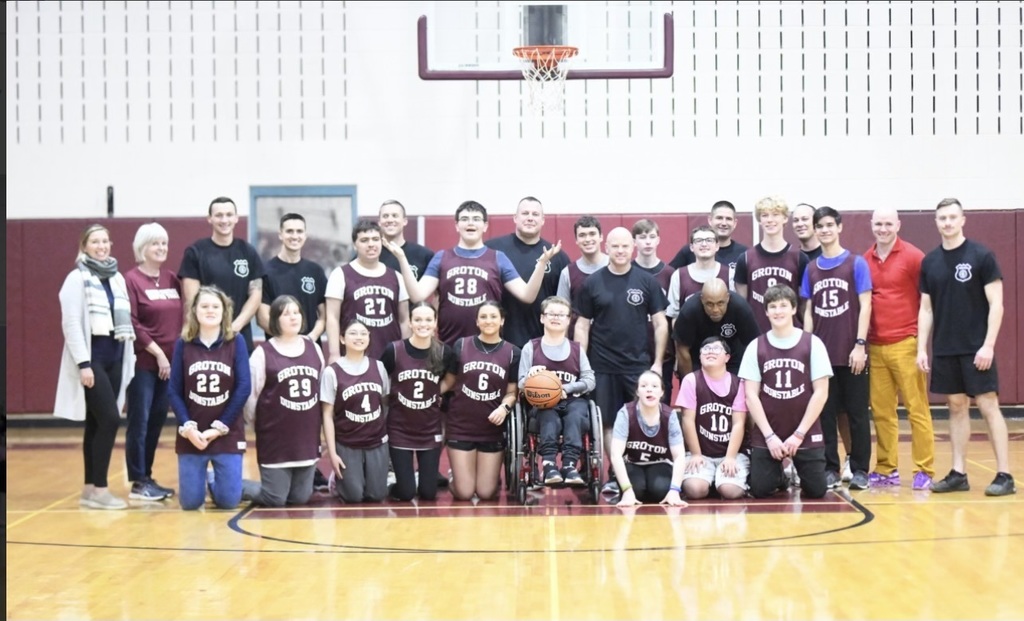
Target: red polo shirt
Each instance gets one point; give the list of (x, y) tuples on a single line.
[(895, 297)]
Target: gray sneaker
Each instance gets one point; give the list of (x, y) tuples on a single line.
[(859, 480), (102, 500), (832, 480), (953, 482), (1002, 485)]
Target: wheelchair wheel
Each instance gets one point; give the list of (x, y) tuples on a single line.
[(595, 458), (512, 448)]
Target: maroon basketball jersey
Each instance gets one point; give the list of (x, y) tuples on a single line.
[(414, 416), (714, 417), (464, 284), (209, 380), (641, 448), (688, 286), (483, 380), (568, 370), (766, 269), (836, 308), (786, 389), (373, 300), (288, 409), (359, 418)]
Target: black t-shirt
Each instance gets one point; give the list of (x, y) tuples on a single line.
[(419, 257), (737, 327), (305, 281), (522, 321), (955, 279), (619, 307), (230, 268)]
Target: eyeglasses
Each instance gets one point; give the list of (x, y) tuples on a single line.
[(555, 315), (704, 240), (712, 349), (473, 219)]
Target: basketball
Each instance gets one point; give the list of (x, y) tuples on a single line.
[(543, 390)]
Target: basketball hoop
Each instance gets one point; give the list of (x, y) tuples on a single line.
[(544, 69)]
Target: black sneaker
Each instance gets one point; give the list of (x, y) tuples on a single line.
[(859, 480), (551, 474), (320, 482), (1002, 485), (954, 482), (144, 490), (168, 491), (572, 477)]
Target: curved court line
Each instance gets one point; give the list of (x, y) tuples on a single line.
[(866, 518)]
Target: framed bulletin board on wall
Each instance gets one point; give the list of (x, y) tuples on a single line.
[(329, 210)]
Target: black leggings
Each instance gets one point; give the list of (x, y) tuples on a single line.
[(650, 483), (102, 418), (428, 461)]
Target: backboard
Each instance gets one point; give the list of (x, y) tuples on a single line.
[(616, 40)]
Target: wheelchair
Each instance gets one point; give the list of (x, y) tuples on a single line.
[(523, 462)]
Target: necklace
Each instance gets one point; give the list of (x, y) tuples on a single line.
[(493, 346), (155, 279)]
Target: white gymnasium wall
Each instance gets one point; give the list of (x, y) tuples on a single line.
[(851, 103)]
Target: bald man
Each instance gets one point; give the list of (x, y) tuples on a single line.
[(716, 311), (615, 305), (892, 354)]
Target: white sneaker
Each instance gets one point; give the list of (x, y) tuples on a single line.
[(847, 472), (102, 500)]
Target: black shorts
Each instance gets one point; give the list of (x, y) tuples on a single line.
[(955, 375), (612, 391), (483, 447)]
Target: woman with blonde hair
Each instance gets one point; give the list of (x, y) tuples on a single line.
[(155, 295), (210, 384), (96, 367)]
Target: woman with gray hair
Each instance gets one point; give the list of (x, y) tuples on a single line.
[(155, 295), (95, 366)]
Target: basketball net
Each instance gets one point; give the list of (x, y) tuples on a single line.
[(544, 70)]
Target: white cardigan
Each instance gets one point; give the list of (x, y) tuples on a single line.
[(70, 400)]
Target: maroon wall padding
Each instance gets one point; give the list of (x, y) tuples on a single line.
[(40, 253)]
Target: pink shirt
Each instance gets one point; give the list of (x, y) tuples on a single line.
[(687, 397)]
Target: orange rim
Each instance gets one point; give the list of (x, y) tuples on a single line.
[(545, 55)]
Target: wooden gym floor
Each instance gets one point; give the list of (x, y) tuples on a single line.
[(874, 554)]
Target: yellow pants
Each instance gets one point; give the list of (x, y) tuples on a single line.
[(894, 372)]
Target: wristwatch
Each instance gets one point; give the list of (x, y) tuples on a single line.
[(508, 408), (860, 342)]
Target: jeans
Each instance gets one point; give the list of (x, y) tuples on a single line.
[(226, 485), (147, 413), (570, 420)]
